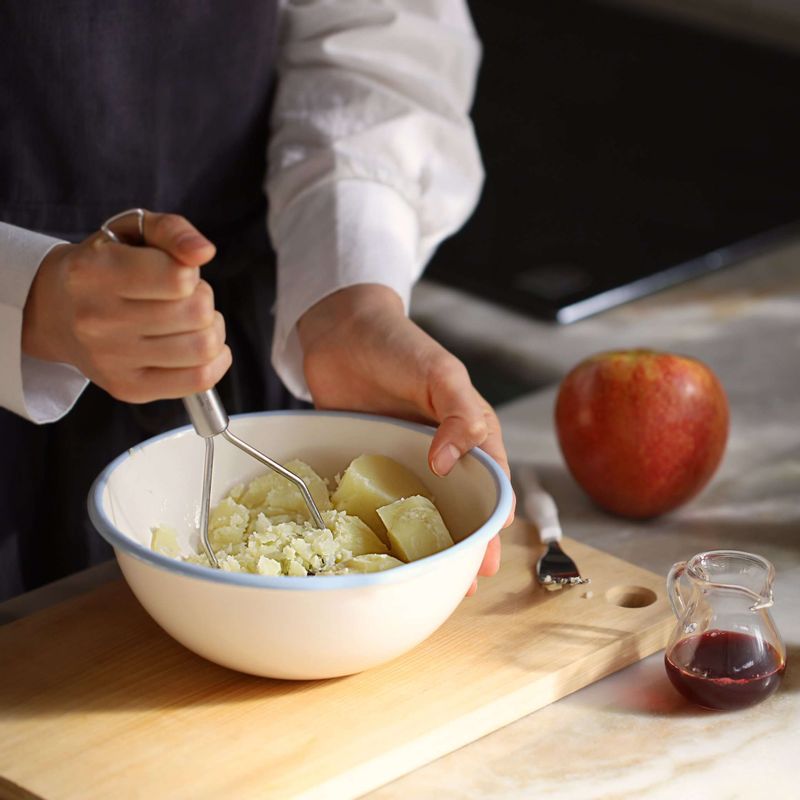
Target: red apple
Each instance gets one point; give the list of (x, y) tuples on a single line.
[(641, 431)]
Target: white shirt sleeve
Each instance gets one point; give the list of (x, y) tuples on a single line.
[(40, 391), (373, 158)]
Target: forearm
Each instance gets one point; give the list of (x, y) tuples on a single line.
[(40, 337), (39, 390), (345, 307), (373, 159)]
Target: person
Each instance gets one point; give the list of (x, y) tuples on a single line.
[(343, 124)]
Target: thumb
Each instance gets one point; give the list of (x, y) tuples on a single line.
[(177, 237), (461, 414)]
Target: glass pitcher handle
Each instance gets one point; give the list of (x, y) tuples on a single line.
[(674, 590)]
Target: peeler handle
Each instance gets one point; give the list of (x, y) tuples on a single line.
[(539, 506), (206, 413)]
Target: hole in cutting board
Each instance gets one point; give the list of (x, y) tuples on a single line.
[(631, 596)]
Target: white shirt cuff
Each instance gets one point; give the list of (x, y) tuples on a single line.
[(341, 234), (40, 391)]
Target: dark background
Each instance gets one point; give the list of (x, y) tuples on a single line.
[(617, 145)]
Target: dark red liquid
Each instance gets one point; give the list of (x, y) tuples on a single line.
[(724, 670)]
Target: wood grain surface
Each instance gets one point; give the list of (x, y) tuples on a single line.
[(96, 701)]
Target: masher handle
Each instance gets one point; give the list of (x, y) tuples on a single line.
[(206, 413)]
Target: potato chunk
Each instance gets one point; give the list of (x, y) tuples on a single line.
[(373, 481), (228, 523), (350, 533), (369, 562), (165, 541), (274, 496), (416, 528)]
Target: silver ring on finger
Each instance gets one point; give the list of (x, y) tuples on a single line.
[(127, 227)]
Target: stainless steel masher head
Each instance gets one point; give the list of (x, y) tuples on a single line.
[(211, 420), (205, 409)]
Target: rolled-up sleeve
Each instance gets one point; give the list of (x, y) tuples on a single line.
[(373, 158), (40, 391)]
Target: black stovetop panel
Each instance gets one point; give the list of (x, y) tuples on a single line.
[(619, 147)]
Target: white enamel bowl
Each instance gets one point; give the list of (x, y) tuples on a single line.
[(290, 627)]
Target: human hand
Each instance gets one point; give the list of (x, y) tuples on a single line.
[(361, 353), (137, 321)]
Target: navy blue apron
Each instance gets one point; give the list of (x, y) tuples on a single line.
[(105, 105)]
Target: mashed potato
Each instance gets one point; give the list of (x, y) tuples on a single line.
[(265, 528)]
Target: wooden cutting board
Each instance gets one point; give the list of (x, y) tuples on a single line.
[(97, 702)]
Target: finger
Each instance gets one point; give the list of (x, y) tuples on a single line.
[(459, 409), (513, 511), (160, 383), (496, 449), (493, 443), (146, 273), (176, 236), (491, 559), (134, 319), (490, 564), (184, 349), (464, 425), (164, 317), (467, 421)]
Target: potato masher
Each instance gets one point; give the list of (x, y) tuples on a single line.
[(210, 420), (205, 409)]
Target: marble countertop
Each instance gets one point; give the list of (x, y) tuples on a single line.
[(631, 735)]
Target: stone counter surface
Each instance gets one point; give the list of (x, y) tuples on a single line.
[(631, 735)]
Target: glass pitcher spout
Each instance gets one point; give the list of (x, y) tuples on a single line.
[(762, 602), (728, 571), (758, 600)]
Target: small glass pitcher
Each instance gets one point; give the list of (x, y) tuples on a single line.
[(725, 651)]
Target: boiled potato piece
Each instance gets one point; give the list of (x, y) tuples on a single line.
[(350, 533), (370, 562), (273, 495), (416, 528), (165, 541), (371, 482), (228, 523)]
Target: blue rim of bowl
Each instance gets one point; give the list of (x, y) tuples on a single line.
[(118, 540)]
